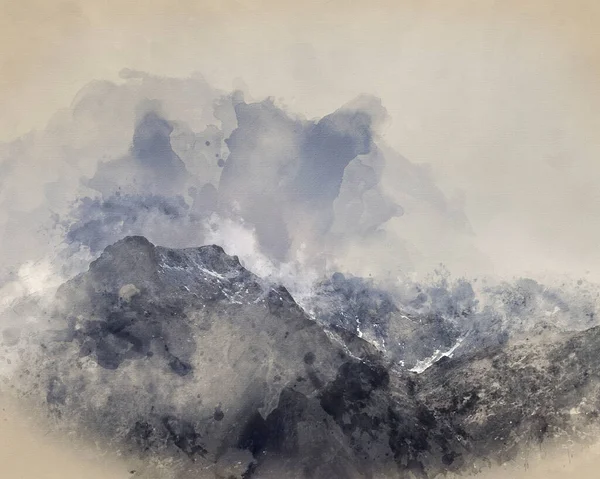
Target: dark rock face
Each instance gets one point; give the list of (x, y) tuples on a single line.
[(186, 354), (499, 401), (357, 306)]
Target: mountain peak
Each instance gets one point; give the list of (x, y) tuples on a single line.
[(212, 254)]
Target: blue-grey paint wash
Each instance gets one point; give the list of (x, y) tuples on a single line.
[(293, 181), (261, 359)]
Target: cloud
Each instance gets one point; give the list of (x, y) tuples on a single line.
[(158, 156), (184, 164)]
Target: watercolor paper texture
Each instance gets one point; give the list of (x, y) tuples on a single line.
[(265, 239)]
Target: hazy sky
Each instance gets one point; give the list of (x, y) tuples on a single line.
[(499, 97)]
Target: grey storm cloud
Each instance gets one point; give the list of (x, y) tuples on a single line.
[(160, 156), (295, 182), (282, 169)]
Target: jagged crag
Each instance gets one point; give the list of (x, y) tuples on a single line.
[(186, 354)]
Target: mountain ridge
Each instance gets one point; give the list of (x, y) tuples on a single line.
[(185, 354)]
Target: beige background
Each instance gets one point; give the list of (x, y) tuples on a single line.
[(500, 97)]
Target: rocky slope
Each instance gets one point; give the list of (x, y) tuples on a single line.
[(187, 356)]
